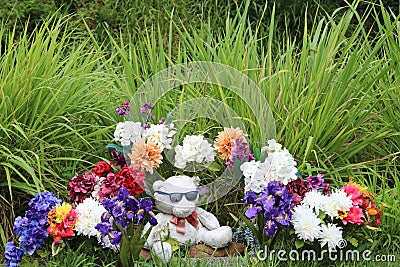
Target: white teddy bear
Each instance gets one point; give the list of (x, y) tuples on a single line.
[(181, 219)]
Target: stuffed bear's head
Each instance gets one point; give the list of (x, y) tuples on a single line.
[(178, 195)]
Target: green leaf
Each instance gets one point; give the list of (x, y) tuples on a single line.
[(352, 241), (373, 228), (263, 156), (236, 168), (253, 229), (215, 167), (321, 215), (117, 147), (298, 243), (174, 243), (257, 153)]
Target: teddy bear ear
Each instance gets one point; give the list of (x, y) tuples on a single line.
[(196, 180), (157, 185)]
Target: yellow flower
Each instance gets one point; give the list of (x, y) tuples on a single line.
[(61, 211), (342, 214)]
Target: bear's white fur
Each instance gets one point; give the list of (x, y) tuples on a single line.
[(208, 231)]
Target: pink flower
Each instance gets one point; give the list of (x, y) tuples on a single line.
[(354, 216), (110, 186), (81, 186), (354, 193)]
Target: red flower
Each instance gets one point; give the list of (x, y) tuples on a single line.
[(81, 186), (298, 188), (102, 168), (132, 180), (70, 219), (110, 186)]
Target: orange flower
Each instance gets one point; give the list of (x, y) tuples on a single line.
[(225, 141), (145, 156)]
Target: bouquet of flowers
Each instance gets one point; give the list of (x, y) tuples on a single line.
[(276, 196)]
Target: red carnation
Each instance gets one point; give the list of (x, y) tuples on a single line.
[(102, 168), (298, 188), (132, 180), (110, 186), (81, 186)]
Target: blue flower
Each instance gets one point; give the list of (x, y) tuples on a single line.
[(13, 255)]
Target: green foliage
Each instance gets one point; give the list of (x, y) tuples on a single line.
[(55, 106)]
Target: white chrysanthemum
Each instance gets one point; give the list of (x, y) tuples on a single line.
[(89, 215), (331, 235), (194, 149), (315, 200), (306, 223), (254, 173), (128, 132), (337, 201), (161, 134), (280, 163)]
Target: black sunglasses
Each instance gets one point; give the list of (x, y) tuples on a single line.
[(176, 197)]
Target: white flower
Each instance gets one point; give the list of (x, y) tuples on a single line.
[(194, 149), (306, 223), (161, 134), (337, 201), (280, 164), (331, 235), (97, 187), (89, 215), (128, 132), (254, 173), (315, 200)]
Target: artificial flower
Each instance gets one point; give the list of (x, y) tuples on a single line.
[(337, 201), (89, 215), (81, 186), (102, 168), (13, 255), (194, 149), (145, 155), (128, 132), (280, 163), (124, 110), (315, 200), (331, 235), (160, 134), (306, 224), (298, 188), (225, 142)]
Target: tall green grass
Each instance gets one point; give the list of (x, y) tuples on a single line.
[(55, 113)]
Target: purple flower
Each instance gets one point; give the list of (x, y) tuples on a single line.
[(124, 110), (316, 182), (146, 206), (13, 255), (146, 110), (270, 228), (115, 237), (118, 159), (252, 211), (240, 151), (275, 202)]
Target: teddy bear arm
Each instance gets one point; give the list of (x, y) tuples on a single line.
[(207, 219)]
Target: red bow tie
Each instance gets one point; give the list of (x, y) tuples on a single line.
[(180, 222)]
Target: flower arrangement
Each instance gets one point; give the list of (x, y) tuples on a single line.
[(105, 202)]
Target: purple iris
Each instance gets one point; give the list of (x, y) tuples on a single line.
[(124, 110), (122, 210), (275, 202), (13, 255)]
